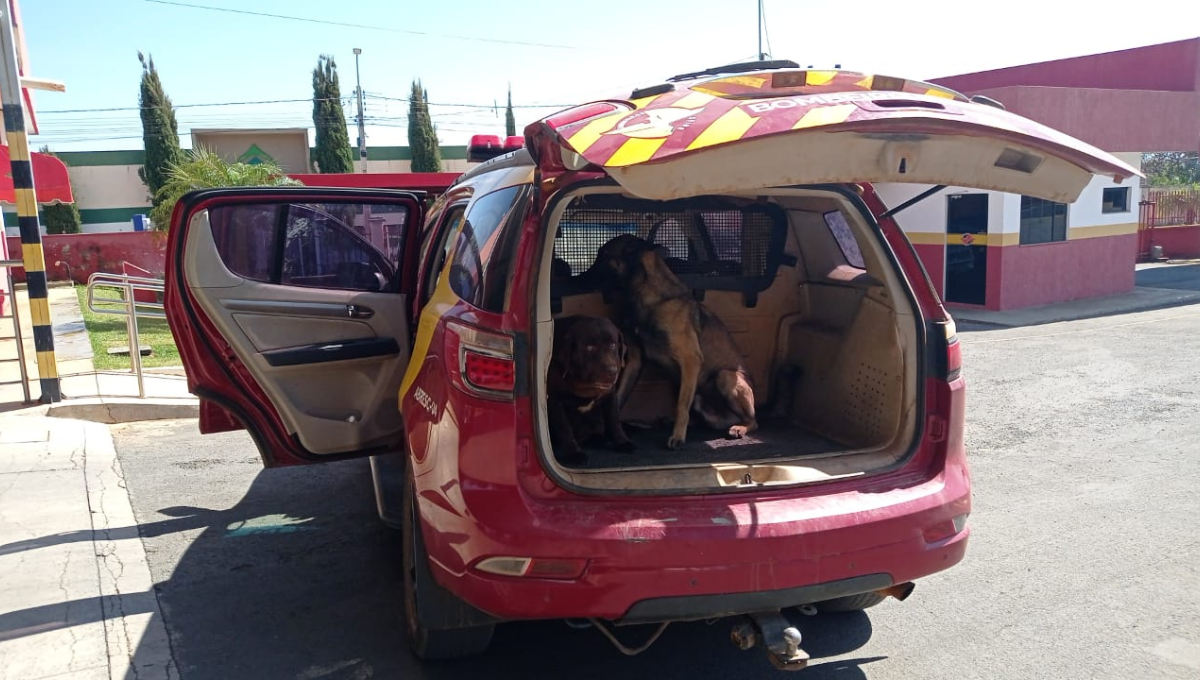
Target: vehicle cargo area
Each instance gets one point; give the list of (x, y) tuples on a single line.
[(817, 309)]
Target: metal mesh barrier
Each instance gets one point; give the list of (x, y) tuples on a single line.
[(710, 244)]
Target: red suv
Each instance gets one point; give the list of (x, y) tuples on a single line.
[(335, 323)]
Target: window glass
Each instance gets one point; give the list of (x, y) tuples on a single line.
[(332, 245), (441, 248), (845, 238), (1116, 200), (1042, 221), (477, 260), (245, 236)]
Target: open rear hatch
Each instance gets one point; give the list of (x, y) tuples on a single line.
[(798, 127), (762, 161)]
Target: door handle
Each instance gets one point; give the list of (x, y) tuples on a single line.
[(359, 312)]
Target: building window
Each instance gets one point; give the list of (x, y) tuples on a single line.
[(1042, 221), (1116, 199)]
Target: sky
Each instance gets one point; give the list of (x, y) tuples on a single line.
[(467, 53)]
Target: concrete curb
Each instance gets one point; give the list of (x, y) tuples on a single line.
[(133, 623), (1152, 299), (114, 410)]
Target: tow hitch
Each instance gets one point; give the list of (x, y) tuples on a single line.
[(779, 638)]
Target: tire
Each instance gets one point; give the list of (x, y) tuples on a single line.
[(430, 610), (851, 603)]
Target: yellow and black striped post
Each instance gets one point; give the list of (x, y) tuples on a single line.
[(27, 213)]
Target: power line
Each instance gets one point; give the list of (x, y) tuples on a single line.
[(192, 106), (470, 106), (343, 100), (346, 24)]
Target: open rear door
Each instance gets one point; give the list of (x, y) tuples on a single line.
[(790, 127), (289, 307)]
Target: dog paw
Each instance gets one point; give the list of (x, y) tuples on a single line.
[(738, 431), (625, 446), (675, 442)]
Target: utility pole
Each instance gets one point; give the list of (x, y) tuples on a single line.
[(761, 56), (362, 126), (32, 255)]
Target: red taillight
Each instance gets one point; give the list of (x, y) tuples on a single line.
[(488, 372), (534, 567), (479, 362), (953, 359), (953, 351)]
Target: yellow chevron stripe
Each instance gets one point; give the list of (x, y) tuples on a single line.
[(693, 100), (26, 202), (634, 151), (31, 255), (866, 83), (938, 92), (819, 77), (47, 366), (826, 115), (18, 146), (589, 134), (39, 311), (440, 302), (749, 81), (730, 126)]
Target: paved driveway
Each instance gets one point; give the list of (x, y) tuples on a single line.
[(1084, 562)]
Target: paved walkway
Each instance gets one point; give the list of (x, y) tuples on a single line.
[(77, 598)]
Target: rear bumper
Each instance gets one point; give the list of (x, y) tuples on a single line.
[(704, 559)]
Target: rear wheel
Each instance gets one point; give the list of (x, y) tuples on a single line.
[(429, 609), (850, 603)]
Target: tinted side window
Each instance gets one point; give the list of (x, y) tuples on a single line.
[(441, 248), (333, 245), (246, 238), (479, 272)]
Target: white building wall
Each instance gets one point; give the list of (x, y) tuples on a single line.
[(925, 222), (108, 186)]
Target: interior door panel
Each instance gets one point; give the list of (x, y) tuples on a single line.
[(329, 360)]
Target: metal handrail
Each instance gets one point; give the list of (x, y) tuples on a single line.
[(131, 310), (10, 291)]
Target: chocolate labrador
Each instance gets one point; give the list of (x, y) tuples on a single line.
[(681, 335), (588, 357)]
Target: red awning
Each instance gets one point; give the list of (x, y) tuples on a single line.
[(50, 179)]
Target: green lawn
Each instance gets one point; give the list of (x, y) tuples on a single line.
[(108, 330)]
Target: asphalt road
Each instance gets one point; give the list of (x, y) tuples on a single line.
[(1084, 562), (1179, 277)]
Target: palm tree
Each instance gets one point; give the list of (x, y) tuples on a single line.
[(204, 169)]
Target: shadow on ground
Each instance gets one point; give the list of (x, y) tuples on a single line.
[(299, 579)]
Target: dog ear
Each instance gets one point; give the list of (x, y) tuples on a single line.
[(621, 347)]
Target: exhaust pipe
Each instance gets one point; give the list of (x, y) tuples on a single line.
[(900, 591)]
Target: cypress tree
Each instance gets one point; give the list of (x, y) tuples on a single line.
[(160, 131), (333, 142), (510, 121), (422, 136)]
